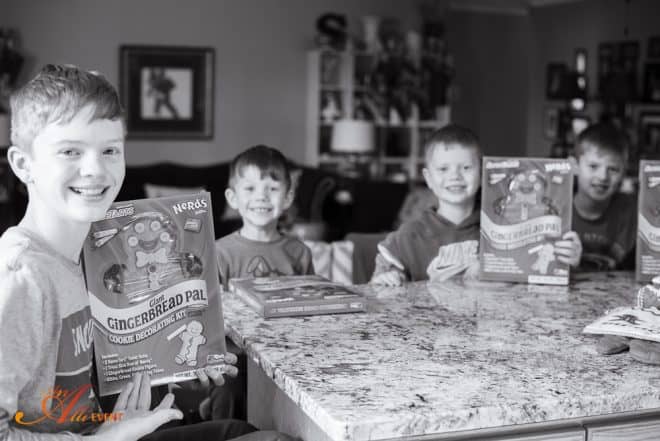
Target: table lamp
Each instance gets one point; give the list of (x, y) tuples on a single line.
[(353, 138)]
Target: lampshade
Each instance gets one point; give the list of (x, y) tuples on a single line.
[(352, 136)]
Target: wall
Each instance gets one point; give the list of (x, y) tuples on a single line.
[(491, 52), (560, 29), (260, 57)]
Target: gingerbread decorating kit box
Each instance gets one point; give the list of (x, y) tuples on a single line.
[(648, 222), (154, 291), (526, 206)]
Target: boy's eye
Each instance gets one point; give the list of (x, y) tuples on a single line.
[(68, 152), (112, 151)]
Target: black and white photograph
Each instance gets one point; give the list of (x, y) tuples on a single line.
[(323, 220), (167, 91), (652, 83), (653, 50)]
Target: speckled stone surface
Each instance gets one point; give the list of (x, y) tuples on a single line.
[(435, 358)]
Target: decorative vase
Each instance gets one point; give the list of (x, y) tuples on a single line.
[(370, 25)]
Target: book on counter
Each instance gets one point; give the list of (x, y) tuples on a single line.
[(526, 206), (634, 322), (154, 292), (287, 296)]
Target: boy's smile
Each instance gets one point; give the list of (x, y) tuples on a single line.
[(453, 174), (77, 168), (259, 199), (600, 173)]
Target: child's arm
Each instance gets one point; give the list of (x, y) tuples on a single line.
[(388, 270), (569, 249)]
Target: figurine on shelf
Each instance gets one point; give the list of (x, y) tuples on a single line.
[(330, 111), (370, 24)]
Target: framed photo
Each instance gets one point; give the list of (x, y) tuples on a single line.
[(617, 70), (167, 91), (653, 50), (649, 123), (652, 82), (551, 122), (555, 81)]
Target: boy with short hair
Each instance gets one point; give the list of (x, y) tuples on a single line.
[(604, 218), (68, 148), (261, 190), (444, 240)]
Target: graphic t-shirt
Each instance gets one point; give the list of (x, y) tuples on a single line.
[(608, 240), (431, 245), (242, 257), (46, 328)]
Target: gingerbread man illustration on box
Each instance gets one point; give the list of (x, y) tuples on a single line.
[(545, 255), (192, 338)]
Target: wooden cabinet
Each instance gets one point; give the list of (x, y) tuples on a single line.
[(341, 85), (634, 431)]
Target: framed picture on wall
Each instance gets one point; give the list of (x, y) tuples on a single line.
[(551, 122), (167, 91), (653, 50), (652, 82), (555, 81), (649, 123), (617, 70)]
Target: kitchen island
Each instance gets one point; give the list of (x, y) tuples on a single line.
[(452, 360)]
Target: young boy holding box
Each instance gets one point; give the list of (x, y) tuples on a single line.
[(261, 190), (68, 149), (604, 218), (444, 240)]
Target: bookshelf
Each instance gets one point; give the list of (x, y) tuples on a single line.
[(342, 84)]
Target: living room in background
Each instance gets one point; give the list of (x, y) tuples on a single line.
[(388, 89), (167, 91)]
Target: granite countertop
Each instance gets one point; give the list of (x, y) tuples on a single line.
[(434, 358)]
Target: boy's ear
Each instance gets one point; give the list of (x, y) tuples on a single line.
[(288, 199), (230, 195), (574, 164), (19, 161), (425, 174)]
